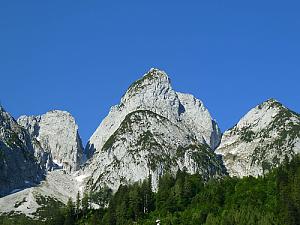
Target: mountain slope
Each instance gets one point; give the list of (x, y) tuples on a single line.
[(266, 136), (22, 161), (147, 144), (152, 131), (58, 187)]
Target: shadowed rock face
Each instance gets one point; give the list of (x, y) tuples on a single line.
[(20, 164), (267, 135), (57, 134), (152, 131)]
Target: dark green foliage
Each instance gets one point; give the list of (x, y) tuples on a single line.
[(130, 203), (78, 202), (187, 199), (101, 197), (247, 135), (85, 203), (51, 209), (19, 220), (69, 213), (14, 141)]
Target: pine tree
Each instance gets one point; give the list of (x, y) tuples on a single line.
[(85, 203), (148, 200), (70, 212), (78, 203)]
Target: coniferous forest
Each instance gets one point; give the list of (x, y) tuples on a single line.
[(186, 199)]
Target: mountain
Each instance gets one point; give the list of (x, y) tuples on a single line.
[(40, 156), (266, 136), (22, 160), (152, 131), (57, 132)]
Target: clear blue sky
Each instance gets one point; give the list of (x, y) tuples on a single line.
[(81, 56)]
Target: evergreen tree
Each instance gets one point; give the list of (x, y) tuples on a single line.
[(78, 203), (70, 213), (148, 199), (85, 203)]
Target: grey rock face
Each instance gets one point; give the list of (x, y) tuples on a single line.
[(262, 139), (198, 120), (148, 144), (20, 166), (57, 133), (153, 92), (144, 134)]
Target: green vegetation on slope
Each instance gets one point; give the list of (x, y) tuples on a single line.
[(186, 199)]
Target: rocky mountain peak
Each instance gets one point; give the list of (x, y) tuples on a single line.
[(270, 104), (263, 114), (57, 132), (154, 129), (262, 139), (155, 84), (154, 92), (8, 123), (153, 76), (4, 116)]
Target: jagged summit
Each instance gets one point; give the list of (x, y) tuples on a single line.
[(263, 114), (152, 123), (262, 139), (7, 122), (153, 75), (271, 103), (58, 134), (271, 100), (155, 82), (159, 97)]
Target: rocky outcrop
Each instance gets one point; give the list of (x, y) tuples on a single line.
[(57, 133), (153, 92), (265, 137), (20, 164), (198, 120), (147, 144), (152, 131)]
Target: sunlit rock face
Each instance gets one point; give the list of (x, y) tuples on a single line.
[(153, 130), (266, 136), (57, 133)]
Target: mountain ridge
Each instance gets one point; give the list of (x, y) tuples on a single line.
[(154, 130)]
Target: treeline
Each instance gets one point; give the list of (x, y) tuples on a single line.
[(187, 199)]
